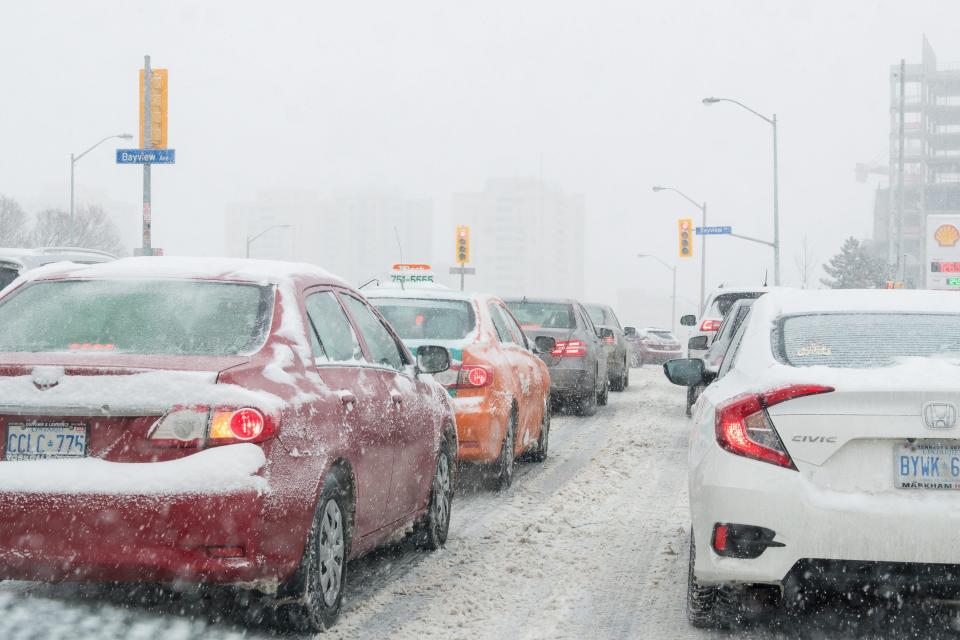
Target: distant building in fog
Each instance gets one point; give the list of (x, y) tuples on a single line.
[(931, 191), (354, 235), (526, 238)]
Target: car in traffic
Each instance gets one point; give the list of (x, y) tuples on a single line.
[(245, 423), (500, 388), (14, 261), (578, 361), (715, 309), (652, 345), (834, 413), (618, 356)]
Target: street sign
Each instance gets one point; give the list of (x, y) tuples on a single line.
[(463, 271), (714, 231), (146, 156)]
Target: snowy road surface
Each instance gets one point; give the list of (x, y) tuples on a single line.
[(590, 544)]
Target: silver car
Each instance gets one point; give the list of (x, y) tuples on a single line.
[(14, 262), (578, 362), (618, 357)]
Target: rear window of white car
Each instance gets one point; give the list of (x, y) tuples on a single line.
[(723, 302), (172, 317), (866, 340)]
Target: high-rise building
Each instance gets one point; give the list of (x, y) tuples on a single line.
[(931, 170), (356, 235), (526, 238)]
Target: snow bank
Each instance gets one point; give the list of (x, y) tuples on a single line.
[(224, 469)]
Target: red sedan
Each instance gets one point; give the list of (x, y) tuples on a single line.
[(247, 423)]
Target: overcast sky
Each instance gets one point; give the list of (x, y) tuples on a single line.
[(432, 98)]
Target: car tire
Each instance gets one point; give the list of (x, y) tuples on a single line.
[(587, 403), (539, 454), (505, 462), (626, 374), (603, 395), (619, 383), (709, 607), (319, 582), (433, 530)]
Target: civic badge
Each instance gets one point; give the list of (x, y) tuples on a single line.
[(939, 415)]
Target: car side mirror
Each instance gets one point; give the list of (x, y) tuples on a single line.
[(699, 343), (544, 344), (432, 359), (630, 331), (604, 333), (686, 372), (688, 320)]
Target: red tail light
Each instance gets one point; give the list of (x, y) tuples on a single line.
[(474, 376), (744, 428), (608, 340), (195, 426), (570, 349), (710, 325)]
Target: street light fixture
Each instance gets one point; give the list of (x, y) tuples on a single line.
[(74, 158), (703, 238), (776, 186), (250, 239), (673, 297)]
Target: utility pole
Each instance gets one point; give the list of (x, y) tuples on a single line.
[(776, 207), (703, 267), (901, 267), (147, 140)]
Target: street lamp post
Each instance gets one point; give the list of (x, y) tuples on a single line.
[(250, 239), (673, 296), (703, 238), (776, 180), (74, 158)]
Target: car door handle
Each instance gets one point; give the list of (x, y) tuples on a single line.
[(347, 397), (397, 398)]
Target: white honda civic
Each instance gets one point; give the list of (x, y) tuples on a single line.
[(825, 457)]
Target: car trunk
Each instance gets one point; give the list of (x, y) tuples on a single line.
[(98, 405), (867, 440)]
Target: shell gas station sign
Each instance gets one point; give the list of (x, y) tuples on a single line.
[(943, 252)]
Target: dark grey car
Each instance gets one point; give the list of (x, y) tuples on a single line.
[(618, 358), (578, 363)]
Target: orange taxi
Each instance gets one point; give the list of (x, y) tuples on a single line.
[(499, 386)]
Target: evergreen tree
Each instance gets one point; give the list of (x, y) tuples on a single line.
[(854, 268)]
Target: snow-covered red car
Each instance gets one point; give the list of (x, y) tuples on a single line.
[(500, 387), (246, 423), (825, 458)]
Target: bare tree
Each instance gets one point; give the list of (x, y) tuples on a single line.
[(13, 223), (91, 228), (805, 262)]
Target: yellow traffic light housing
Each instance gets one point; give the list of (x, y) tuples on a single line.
[(462, 248), (158, 109), (685, 237)]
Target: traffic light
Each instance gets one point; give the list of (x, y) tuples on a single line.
[(463, 245), (158, 109), (685, 233)]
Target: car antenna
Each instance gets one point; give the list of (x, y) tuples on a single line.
[(370, 281), (396, 234), (766, 276)]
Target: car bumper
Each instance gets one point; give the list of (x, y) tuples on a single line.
[(170, 538), (570, 381), (817, 526), (480, 427)]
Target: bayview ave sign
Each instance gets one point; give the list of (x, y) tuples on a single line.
[(146, 156), (714, 231)]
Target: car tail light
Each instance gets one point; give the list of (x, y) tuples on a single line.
[(195, 426), (570, 349), (720, 538), (239, 425), (608, 340), (181, 427), (474, 376), (710, 325), (744, 428)]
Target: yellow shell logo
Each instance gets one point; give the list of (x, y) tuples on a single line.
[(946, 235)]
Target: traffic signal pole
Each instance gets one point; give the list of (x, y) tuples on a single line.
[(703, 262), (147, 139)]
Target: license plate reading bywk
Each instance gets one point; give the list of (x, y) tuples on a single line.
[(927, 466), (43, 440)]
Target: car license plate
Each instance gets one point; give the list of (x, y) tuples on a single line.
[(927, 466), (42, 440)]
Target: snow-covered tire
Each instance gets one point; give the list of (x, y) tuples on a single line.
[(505, 462), (319, 582), (603, 395), (626, 374), (539, 453), (619, 383), (709, 607), (587, 403), (432, 531)]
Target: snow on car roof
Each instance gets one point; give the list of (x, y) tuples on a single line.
[(790, 301), (267, 271)]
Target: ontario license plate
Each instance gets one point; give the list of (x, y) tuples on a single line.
[(927, 466), (42, 440)]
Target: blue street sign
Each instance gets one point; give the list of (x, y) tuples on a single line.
[(146, 156), (713, 231)]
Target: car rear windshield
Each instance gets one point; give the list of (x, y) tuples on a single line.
[(723, 302), (171, 317), (866, 340), (544, 315), (423, 319)]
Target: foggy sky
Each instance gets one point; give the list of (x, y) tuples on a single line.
[(432, 98)]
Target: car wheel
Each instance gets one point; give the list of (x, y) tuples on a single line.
[(709, 607), (617, 383), (505, 462), (539, 454), (603, 395), (626, 374), (587, 403), (436, 524), (323, 569)]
